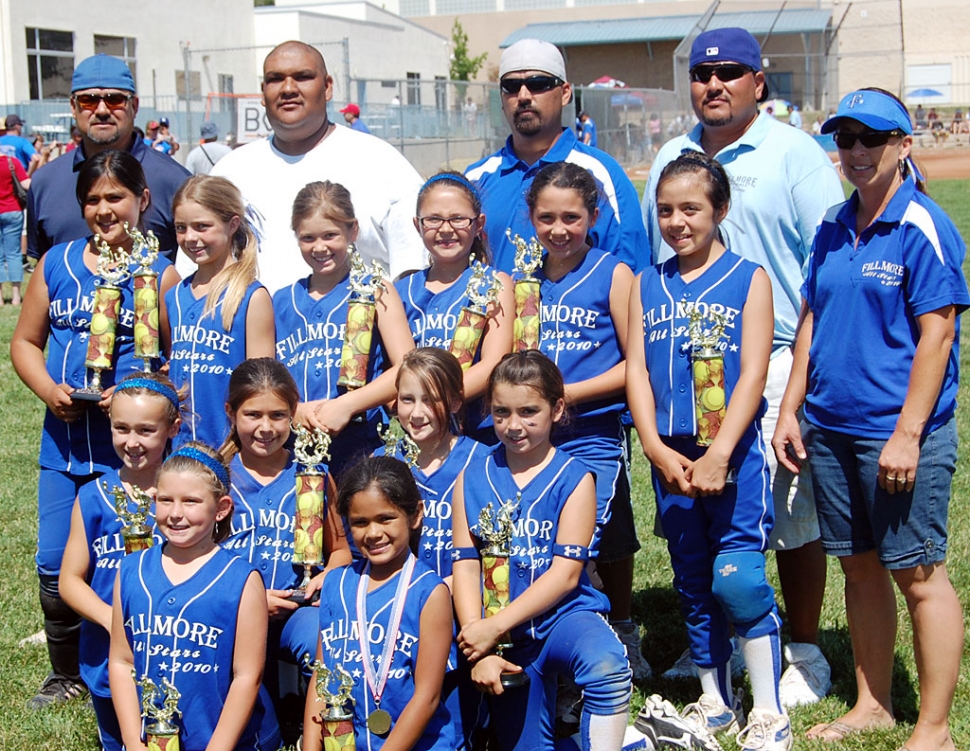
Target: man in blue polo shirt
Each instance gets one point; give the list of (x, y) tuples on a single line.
[(104, 104), (532, 76), (782, 183)]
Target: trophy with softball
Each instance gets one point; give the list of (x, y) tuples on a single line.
[(482, 290), (311, 449), (366, 284), (528, 258)]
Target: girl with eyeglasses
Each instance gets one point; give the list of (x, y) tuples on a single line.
[(452, 225), (311, 317), (876, 369)]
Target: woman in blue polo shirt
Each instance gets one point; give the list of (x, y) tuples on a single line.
[(876, 366)]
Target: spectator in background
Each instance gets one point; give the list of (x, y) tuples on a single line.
[(655, 126), (153, 141), (795, 117), (74, 141), (203, 157), (351, 115), (167, 136), (12, 143), (104, 105), (470, 109), (11, 225), (306, 146), (588, 129), (920, 117), (817, 125)]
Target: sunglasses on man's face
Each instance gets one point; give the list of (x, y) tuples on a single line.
[(871, 139), (535, 84), (724, 73), (91, 102)]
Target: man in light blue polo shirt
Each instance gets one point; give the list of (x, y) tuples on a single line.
[(782, 183), (534, 89)]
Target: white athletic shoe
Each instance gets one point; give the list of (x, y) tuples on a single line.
[(808, 677), (714, 716), (628, 633), (766, 731), (685, 667), (663, 725), (34, 640)]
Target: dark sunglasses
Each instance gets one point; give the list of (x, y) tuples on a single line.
[(535, 84), (871, 139), (726, 72), (91, 102)]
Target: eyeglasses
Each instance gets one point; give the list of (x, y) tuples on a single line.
[(871, 139), (436, 222), (535, 84), (91, 102), (726, 72)]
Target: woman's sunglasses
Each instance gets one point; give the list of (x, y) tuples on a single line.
[(535, 84), (726, 72), (871, 139), (91, 102)]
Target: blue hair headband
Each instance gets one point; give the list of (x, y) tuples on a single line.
[(218, 470), (455, 178), (147, 383)]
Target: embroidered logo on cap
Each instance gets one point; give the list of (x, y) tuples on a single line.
[(856, 99), (712, 51)]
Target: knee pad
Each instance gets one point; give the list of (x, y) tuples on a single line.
[(740, 586)]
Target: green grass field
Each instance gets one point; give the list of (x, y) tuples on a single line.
[(72, 727)]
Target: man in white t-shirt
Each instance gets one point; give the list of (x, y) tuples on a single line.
[(306, 147)]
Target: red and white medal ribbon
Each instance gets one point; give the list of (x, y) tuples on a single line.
[(376, 681)]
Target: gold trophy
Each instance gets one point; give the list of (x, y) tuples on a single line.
[(113, 272), (312, 449), (361, 312), (707, 369), (338, 721), (395, 438), (528, 258), (161, 734), (495, 528), (145, 294), (471, 324), (137, 534)]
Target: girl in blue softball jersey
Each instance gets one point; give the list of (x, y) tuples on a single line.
[(75, 444), (261, 403), (555, 617), (220, 315), (192, 614), (310, 320), (450, 220), (717, 528), (144, 416), (386, 620)]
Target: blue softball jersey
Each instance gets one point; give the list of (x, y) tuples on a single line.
[(203, 357), (437, 490), (341, 646), (866, 291), (667, 304), (83, 447), (488, 480), (186, 633)]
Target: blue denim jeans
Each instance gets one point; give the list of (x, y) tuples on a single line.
[(11, 265)]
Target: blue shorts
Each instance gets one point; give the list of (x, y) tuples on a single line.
[(856, 515)]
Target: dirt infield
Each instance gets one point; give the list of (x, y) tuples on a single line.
[(949, 163)]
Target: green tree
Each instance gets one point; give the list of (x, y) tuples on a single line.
[(463, 67)]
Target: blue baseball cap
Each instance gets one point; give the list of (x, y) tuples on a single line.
[(730, 44), (874, 109), (102, 72)]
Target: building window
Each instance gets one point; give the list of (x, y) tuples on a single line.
[(50, 63), (414, 88), (120, 47)]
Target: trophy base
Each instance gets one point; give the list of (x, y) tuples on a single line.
[(299, 596), (514, 680), (86, 395)]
